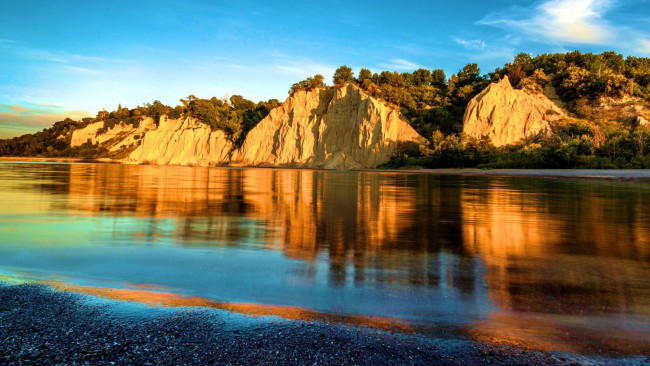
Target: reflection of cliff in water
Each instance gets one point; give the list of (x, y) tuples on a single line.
[(548, 246), (385, 227), (574, 247)]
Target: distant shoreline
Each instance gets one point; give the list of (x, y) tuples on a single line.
[(55, 160), (598, 174), (642, 175)]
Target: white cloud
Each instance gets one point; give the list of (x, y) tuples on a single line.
[(301, 69), (644, 46), (471, 44), (558, 21), (81, 70), (401, 64)]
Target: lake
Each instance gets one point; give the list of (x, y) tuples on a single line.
[(553, 264)]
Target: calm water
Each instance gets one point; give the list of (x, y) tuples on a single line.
[(552, 264)]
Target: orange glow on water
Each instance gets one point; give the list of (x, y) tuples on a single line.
[(169, 299)]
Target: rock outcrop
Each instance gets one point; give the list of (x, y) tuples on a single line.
[(183, 141), (506, 115), (330, 128), (82, 135), (118, 136)]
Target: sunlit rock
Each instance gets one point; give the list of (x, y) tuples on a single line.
[(333, 128), (183, 141), (507, 115), (115, 138)]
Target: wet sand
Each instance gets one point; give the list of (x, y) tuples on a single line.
[(41, 325)]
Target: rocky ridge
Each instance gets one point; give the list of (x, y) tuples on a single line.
[(333, 128), (183, 141), (506, 115), (329, 128)]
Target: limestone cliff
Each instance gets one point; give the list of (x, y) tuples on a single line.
[(183, 141), (333, 128), (506, 115)]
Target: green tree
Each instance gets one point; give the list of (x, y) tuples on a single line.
[(343, 75), (421, 77), (309, 83), (384, 77), (438, 78), (316, 81), (397, 80), (535, 82), (241, 103), (364, 74), (470, 74)]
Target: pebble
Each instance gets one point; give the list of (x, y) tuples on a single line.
[(84, 333)]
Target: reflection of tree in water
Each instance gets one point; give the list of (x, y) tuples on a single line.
[(380, 228), (383, 228), (561, 247)]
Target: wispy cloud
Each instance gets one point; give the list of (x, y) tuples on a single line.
[(15, 108), (401, 64), (471, 44), (573, 21), (303, 68), (55, 56), (81, 70), (644, 46), (16, 119), (62, 57)]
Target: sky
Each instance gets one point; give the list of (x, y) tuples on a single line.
[(73, 58)]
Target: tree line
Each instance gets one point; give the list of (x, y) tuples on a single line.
[(434, 105)]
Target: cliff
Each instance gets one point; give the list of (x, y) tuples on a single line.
[(506, 115), (334, 128), (118, 136), (330, 128), (183, 141)]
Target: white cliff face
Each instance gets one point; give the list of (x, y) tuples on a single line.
[(506, 115), (336, 128), (183, 141), (130, 136), (120, 135), (82, 135), (330, 128)]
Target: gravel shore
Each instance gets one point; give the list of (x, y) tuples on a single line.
[(40, 325)]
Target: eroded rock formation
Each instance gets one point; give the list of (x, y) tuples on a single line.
[(118, 136), (334, 128), (183, 141), (507, 115), (330, 128)]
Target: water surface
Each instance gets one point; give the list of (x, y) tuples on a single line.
[(547, 263)]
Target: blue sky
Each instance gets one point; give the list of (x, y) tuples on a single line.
[(72, 58)]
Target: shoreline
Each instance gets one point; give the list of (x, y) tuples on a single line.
[(634, 175), (641, 175), (42, 325), (55, 160)]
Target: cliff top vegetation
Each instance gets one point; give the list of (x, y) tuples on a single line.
[(593, 88)]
